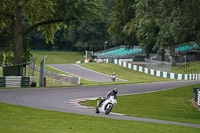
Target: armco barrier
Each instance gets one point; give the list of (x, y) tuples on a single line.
[(16, 81), (157, 72), (61, 77), (2, 82)]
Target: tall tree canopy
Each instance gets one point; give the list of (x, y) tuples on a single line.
[(157, 23), (154, 24), (166, 21), (123, 12), (46, 15), (90, 35)]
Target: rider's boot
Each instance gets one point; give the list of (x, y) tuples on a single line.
[(101, 102)]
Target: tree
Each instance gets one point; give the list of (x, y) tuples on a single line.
[(156, 24), (46, 15), (90, 35), (123, 12)]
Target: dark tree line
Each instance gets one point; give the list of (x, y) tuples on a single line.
[(86, 24)]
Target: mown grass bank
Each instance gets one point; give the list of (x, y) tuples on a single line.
[(58, 57), (171, 105), (15, 119), (123, 73), (186, 68)]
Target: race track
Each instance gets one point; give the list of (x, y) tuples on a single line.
[(57, 98), (82, 72)]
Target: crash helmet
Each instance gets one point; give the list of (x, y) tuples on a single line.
[(115, 90), (113, 72)]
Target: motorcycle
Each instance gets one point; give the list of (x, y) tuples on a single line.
[(113, 78), (106, 106)]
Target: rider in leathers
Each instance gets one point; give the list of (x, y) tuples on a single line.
[(110, 93)]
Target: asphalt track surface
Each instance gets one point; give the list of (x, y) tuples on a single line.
[(82, 72), (57, 99)]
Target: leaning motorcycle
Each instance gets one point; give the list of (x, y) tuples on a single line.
[(107, 105)]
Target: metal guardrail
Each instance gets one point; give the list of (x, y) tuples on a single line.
[(60, 77), (13, 81), (158, 65), (16, 81)]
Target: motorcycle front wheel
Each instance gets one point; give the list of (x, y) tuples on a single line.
[(108, 108)]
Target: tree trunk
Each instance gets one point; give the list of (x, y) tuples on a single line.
[(17, 33), (147, 51), (162, 54), (172, 52)]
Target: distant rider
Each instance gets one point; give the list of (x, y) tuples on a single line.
[(110, 93), (113, 77)]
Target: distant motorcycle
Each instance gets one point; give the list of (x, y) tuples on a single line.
[(107, 105), (113, 77)]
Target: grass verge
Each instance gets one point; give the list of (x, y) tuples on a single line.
[(123, 73), (171, 105), (186, 68), (1, 71), (22, 119)]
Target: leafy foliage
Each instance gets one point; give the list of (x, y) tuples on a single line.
[(83, 24), (90, 35), (123, 12), (86, 34), (46, 15), (157, 24)]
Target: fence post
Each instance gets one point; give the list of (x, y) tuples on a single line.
[(42, 72)]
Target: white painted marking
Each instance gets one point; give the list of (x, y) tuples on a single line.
[(115, 61), (120, 62), (165, 74), (140, 68), (146, 70), (172, 75), (158, 73), (124, 64), (151, 71), (186, 78), (129, 65), (117, 114), (179, 76), (135, 67)]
